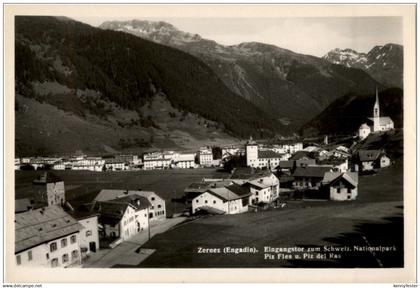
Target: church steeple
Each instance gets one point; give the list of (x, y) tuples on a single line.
[(376, 106)]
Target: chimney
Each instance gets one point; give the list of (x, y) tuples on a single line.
[(126, 192)]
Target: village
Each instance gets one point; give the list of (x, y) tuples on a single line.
[(51, 231)]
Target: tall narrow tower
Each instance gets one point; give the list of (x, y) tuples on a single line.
[(251, 153), (376, 113)]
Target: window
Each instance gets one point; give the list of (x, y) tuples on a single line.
[(63, 242), (256, 193), (54, 262), (159, 206), (153, 198), (89, 233), (29, 255), (53, 247), (18, 260), (65, 258), (73, 239), (196, 201), (214, 201), (205, 201), (47, 256), (74, 254), (153, 207)]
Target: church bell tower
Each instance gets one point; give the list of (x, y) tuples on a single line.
[(376, 113)]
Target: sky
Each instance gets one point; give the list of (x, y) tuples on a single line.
[(313, 36)]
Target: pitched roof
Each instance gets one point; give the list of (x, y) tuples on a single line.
[(311, 171), (39, 226), (364, 126), (47, 177), (300, 154), (332, 177), (268, 154), (258, 184), (110, 194), (369, 155), (137, 201), (383, 121), (111, 212), (204, 185), (239, 190), (226, 194)]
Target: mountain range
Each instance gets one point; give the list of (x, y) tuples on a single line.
[(292, 87), (105, 90), (80, 87), (384, 63)]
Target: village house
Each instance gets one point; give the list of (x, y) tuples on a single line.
[(231, 199), (338, 164), (156, 160), (205, 157), (183, 160), (59, 166), (114, 164), (123, 217), (89, 234), (47, 237), (230, 151), (52, 191), (379, 123), (197, 188), (341, 186), (373, 159), (156, 210), (259, 158), (309, 177), (260, 192), (302, 155), (261, 180), (129, 159), (286, 167)]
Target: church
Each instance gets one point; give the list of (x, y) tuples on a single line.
[(379, 124)]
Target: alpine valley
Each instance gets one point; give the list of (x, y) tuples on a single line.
[(141, 85)]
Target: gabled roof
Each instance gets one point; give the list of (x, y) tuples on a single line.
[(258, 184), (110, 194), (383, 121), (47, 177), (364, 126), (39, 226), (226, 194), (301, 154), (204, 185), (369, 155), (137, 201), (311, 171), (268, 154), (239, 190), (333, 177)]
